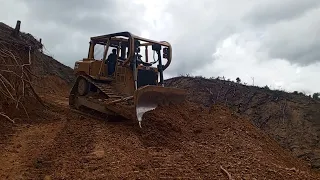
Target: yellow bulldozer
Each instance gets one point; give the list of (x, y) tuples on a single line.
[(125, 83)]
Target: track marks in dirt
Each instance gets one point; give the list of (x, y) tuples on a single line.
[(20, 155), (66, 151)]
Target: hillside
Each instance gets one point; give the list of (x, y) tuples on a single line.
[(47, 140), (42, 64), (291, 119)]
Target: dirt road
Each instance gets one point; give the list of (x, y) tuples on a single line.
[(177, 143)]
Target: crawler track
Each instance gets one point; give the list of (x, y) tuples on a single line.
[(94, 102)]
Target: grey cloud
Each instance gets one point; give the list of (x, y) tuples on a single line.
[(198, 27), (93, 17), (290, 29), (301, 54), (297, 40), (60, 20), (61, 10), (269, 12)]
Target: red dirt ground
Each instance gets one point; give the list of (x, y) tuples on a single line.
[(186, 142)]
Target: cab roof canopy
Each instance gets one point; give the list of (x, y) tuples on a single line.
[(115, 39)]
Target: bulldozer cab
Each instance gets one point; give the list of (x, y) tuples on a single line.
[(132, 58)]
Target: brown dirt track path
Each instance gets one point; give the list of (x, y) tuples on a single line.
[(185, 142)]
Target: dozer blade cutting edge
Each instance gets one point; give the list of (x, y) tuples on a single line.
[(149, 97)]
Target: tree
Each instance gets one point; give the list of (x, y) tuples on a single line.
[(238, 80), (316, 95)]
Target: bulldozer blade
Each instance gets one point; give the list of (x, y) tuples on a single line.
[(149, 97)]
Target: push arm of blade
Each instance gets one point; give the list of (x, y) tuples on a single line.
[(135, 73), (119, 100)]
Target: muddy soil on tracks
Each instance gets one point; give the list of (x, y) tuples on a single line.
[(186, 142)]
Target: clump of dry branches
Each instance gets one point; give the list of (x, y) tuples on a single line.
[(15, 77)]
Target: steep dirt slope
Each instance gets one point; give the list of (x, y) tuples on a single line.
[(41, 64), (23, 64), (292, 119), (45, 65), (26, 71)]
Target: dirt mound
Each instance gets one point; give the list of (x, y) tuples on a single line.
[(164, 126), (291, 119), (216, 137)]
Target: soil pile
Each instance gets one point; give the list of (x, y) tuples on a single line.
[(216, 137), (292, 119)]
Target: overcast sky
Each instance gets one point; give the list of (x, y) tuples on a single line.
[(276, 42)]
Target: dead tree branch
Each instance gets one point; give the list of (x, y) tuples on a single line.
[(15, 75), (283, 108), (7, 117), (227, 173)]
